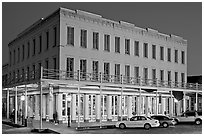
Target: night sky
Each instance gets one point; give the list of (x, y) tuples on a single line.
[(182, 19)]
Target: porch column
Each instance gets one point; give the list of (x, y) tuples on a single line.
[(86, 108), (196, 101), (138, 101), (59, 106), (91, 107), (50, 103), (184, 101), (109, 107), (119, 107), (26, 102), (146, 106), (44, 106), (37, 117), (16, 105), (171, 105), (7, 106), (98, 108), (162, 105), (156, 102), (178, 108), (189, 103), (129, 107), (73, 110)]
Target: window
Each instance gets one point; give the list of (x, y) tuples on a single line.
[(39, 66), (95, 70), (28, 73), (70, 35), (40, 44), (28, 55), (23, 74), (117, 72), (83, 69), (117, 44), (107, 42), (18, 75), (55, 63), (10, 56), (176, 78), (55, 36), (145, 50), (153, 74), (106, 71), (18, 54), (161, 53), (176, 56), (182, 78), (33, 47), (23, 54), (154, 51), (14, 57), (127, 73), (169, 54), (136, 71), (33, 72), (95, 40), (182, 57), (136, 48), (70, 67), (46, 66), (84, 38), (145, 76), (47, 40), (127, 46), (169, 77), (162, 75)]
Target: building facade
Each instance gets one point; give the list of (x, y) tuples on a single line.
[(124, 70)]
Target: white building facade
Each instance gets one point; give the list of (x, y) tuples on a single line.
[(124, 70)]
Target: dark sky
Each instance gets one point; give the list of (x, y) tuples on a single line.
[(182, 19)]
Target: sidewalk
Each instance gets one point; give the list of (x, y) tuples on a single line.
[(63, 129)]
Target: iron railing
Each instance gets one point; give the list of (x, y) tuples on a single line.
[(96, 77)]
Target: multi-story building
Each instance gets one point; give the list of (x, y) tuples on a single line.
[(124, 69)]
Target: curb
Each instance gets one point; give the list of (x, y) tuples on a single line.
[(44, 131), (95, 127)]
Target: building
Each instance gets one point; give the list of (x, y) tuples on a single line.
[(123, 69)]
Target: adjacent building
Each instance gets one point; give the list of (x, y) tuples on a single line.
[(124, 70)]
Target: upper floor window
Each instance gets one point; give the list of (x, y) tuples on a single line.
[(95, 40), (84, 38), (136, 72), (55, 63), (18, 54), (117, 44), (28, 55), (55, 36), (182, 57), (40, 44), (47, 40), (176, 77), (83, 68), (33, 47), (182, 77), (169, 75), (176, 56), (95, 70), (154, 51), (14, 57), (145, 50), (161, 53), (136, 48), (107, 42), (70, 67), (70, 35), (23, 54), (162, 75), (169, 54), (106, 71), (10, 56), (127, 46), (145, 73), (153, 74)]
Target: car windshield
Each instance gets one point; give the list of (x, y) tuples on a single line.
[(149, 118)]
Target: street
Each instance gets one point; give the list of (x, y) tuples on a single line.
[(178, 129)]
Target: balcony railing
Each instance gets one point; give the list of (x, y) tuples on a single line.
[(97, 77)]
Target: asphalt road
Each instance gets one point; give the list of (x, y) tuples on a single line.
[(178, 129)]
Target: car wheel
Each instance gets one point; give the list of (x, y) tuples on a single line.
[(122, 126), (198, 121), (165, 124), (147, 126)]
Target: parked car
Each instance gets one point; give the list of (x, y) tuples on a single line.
[(164, 121), (138, 121), (190, 116)]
